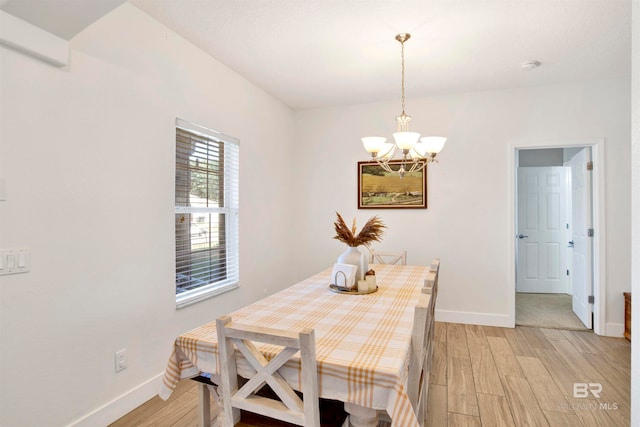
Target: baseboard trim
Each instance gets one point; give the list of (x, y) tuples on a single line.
[(121, 405), (471, 318), (614, 330)]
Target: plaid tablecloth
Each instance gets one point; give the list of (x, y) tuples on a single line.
[(362, 341)]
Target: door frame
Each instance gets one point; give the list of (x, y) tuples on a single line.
[(598, 200)]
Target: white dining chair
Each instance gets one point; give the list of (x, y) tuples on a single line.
[(431, 281), (435, 265), (419, 362), (430, 288), (380, 257), (289, 407)]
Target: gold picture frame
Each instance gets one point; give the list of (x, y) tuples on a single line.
[(378, 189)]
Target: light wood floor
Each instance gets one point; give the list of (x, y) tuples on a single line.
[(487, 376)]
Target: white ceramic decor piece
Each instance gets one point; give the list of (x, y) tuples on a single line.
[(353, 256)]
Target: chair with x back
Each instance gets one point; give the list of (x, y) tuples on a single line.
[(289, 407), (417, 387), (435, 265), (379, 257), (419, 362), (431, 282), (430, 288)]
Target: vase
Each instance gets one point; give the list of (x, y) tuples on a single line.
[(353, 256)]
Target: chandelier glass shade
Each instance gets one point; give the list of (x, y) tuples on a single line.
[(416, 152)]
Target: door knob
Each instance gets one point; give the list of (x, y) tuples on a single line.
[(521, 236), (570, 244)]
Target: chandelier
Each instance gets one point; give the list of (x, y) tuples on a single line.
[(416, 151)]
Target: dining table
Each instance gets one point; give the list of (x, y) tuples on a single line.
[(362, 341)]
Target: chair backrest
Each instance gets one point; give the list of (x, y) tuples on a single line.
[(430, 288), (379, 257), (419, 361), (435, 265), (431, 282), (290, 407)]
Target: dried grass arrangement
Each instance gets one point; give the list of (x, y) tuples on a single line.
[(371, 232)]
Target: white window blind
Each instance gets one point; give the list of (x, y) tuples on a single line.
[(206, 212)]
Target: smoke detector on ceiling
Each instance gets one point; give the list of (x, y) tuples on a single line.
[(530, 65)]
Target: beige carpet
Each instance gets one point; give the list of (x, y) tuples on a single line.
[(546, 311)]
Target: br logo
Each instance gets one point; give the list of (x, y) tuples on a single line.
[(582, 390)]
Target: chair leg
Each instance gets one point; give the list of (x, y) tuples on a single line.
[(204, 405), (211, 408)]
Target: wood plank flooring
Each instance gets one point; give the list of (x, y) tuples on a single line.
[(486, 376)]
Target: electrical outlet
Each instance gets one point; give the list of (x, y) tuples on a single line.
[(121, 360)]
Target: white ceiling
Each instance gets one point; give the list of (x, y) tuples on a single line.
[(317, 53), (64, 18)]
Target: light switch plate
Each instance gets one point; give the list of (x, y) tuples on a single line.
[(14, 261)]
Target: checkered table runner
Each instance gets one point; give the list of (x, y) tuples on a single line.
[(362, 341)]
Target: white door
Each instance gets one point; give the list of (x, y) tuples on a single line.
[(581, 222), (542, 257)]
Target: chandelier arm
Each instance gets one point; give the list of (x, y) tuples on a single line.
[(416, 156), (393, 152), (385, 166), (389, 155), (417, 165)]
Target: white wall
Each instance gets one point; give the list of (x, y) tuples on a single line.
[(541, 157), (466, 223), (635, 211), (87, 153)]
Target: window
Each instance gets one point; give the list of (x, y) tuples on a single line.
[(206, 213)]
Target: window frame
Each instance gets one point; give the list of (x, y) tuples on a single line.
[(229, 188)]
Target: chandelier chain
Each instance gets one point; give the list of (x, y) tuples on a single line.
[(402, 53)]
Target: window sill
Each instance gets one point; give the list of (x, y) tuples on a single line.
[(187, 299)]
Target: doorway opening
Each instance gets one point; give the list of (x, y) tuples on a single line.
[(558, 205)]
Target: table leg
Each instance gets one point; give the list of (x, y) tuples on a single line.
[(359, 416)]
